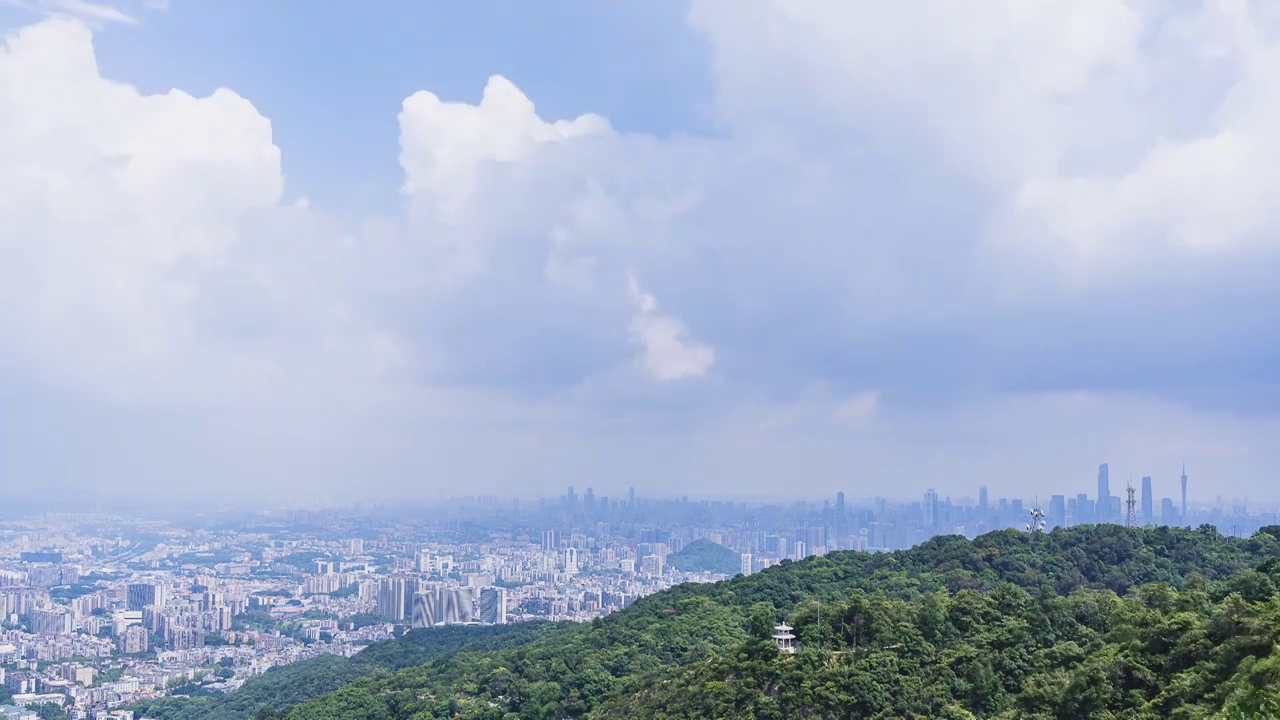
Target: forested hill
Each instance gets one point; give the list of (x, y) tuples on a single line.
[(292, 684), (1089, 622), (706, 556)]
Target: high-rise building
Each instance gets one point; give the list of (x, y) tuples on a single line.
[(396, 596), (133, 640), (1168, 515), (355, 546), (1183, 519), (550, 540), (140, 595), (1148, 510), (55, 621), (1084, 509), (493, 606), (1057, 515), (746, 563), (841, 523), (931, 509), (984, 503), (631, 498), (1103, 506)]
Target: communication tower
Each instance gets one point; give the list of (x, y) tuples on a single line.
[(1131, 517), (1037, 520)]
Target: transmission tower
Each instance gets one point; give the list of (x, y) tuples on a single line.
[(1131, 517), (1037, 519)]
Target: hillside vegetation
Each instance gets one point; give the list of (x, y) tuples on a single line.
[(706, 556), (1089, 622), (292, 684)]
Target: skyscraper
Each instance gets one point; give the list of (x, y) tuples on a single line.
[(140, 595), (983, 500), (1103, 506), (1084, 509), (1183, 519), (1148, 512), (931, 508), (390, 602), (493, 606), (439, 605), (1058, 511), (841, 524)]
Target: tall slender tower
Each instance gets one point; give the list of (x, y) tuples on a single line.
[(1131, 516), (1148, 505), (1104, 494), (1184, 494)]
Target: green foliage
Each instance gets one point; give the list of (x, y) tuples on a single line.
[(304, 561), (349, 591), (706, 556), (49, 711), (361, 620), (1093, 622), (67, 593), (292, 684)]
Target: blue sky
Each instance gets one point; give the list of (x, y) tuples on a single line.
[(730, 248), (332, 79)]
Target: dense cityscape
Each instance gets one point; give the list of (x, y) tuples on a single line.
[(101, 611)]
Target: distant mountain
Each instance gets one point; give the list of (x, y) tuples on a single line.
[(1087, 622), (706, 556)]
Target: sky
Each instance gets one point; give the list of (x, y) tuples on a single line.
[(311, 252)]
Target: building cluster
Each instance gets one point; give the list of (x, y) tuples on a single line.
[(99, 612)]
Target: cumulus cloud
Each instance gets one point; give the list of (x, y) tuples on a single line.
[(1006, 207), (145, 250), (668, 353)]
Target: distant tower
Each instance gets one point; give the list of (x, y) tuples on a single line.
[(1131, 515), (1103, 504), (1037, 519), (1184, 494), (931, 509), (842, 525), (983, 501), (1148, 505)]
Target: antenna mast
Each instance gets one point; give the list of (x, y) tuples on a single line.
[(1037, 519), (1131, 517)]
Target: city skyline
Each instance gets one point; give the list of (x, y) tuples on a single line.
[(1181, 491)]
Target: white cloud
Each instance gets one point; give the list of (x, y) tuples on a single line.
[(1102, 131), (668, 353), (859, 409), (993, 207), (90, 11), (445, 145), (138, 226)]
